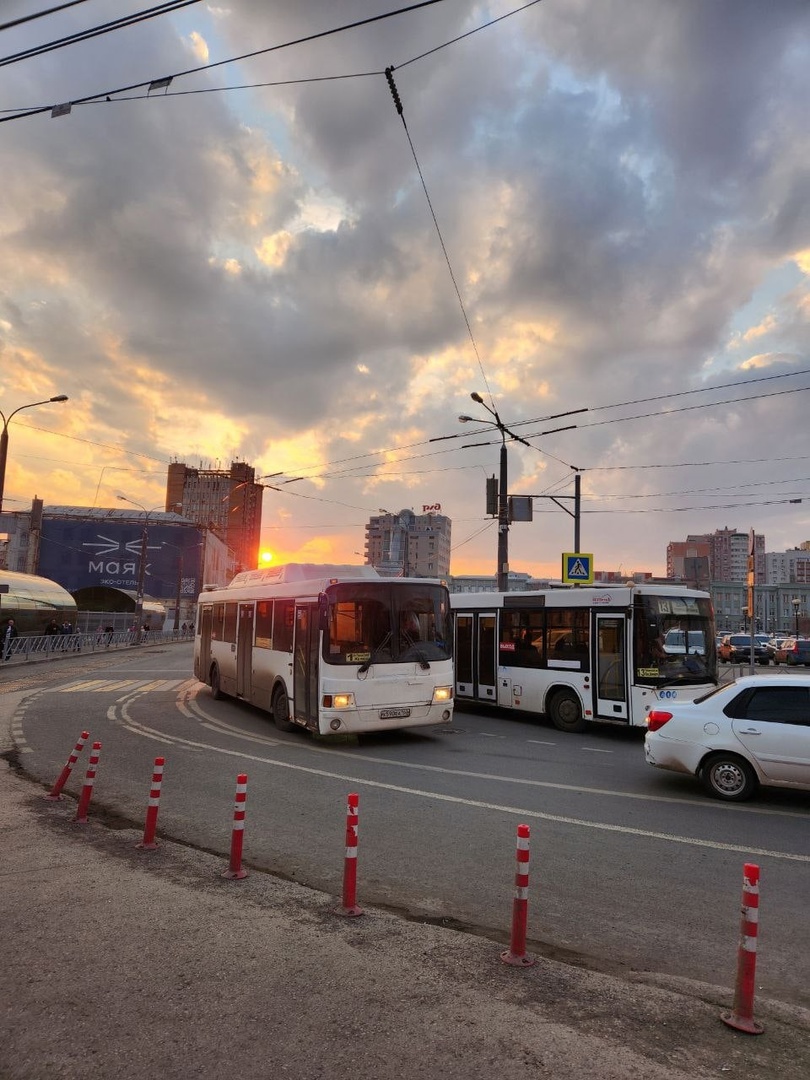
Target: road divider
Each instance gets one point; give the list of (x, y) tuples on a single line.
[(87, 789), (149, 843), (350, 907), (516, 954), (741, 1017), (55, 794), (235, 869)]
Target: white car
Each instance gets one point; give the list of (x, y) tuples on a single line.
[(755, 730)]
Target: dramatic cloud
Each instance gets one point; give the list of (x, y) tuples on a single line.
[(621, 193)]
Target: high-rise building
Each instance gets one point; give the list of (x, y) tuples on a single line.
[(726, 551), (227, 501), (408, 544)]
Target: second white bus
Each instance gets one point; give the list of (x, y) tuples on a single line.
[(579, 654)]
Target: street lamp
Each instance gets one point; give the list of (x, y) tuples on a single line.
[(797, 603), (142, 563), (4, 437)]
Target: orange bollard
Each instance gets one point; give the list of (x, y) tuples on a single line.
[(55, 793), (516, 954), (741, 1017)]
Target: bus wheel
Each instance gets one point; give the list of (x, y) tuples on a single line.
[(216, 686), (281, 711), (566, 712)]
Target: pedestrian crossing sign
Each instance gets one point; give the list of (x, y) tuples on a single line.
[(577, 568)]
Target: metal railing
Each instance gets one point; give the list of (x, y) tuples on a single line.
[(53, 646)]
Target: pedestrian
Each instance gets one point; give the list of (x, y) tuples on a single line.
[(99, 634), (9, 634), (109, 631), (183, 630)]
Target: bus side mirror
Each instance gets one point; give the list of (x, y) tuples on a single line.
[(323, 612)]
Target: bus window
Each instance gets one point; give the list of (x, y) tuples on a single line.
[(264, 624), (521, 641), (229, 624), (567, 637), (358, 628), (283, 615), (218, 623)]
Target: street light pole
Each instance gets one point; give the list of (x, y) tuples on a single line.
[(796, 601), (139, 588), (503, 490), (4, 437)]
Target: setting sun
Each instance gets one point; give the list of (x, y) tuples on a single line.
[(266, 557)]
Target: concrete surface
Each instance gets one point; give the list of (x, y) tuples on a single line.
[(124, 963)]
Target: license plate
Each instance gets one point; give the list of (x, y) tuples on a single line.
[(394, 714)]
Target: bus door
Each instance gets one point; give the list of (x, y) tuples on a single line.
[(475, 655), (610, 669), (244, 652), (305, 665)]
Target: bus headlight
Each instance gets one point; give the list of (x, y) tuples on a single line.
[(442, 693), (338, 701)]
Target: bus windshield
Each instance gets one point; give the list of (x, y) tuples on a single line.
[(674, 640), (379, 623)]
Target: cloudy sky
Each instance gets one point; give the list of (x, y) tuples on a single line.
[(597, 205)]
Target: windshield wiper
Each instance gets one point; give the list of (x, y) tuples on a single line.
[(374, 654), (420, 654)]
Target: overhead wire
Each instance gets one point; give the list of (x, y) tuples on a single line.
[(40, 14), (166, 80), (120, 23)]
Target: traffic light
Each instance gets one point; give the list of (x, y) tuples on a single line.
[(492, 495)]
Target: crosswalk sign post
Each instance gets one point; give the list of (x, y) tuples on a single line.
[(577, 568)]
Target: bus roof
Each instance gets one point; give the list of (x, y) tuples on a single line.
[(289, 572), (582, 595)]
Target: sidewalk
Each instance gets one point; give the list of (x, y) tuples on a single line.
[(121, 963)]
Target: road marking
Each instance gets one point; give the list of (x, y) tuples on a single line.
[(594, 750), (488, 735), (516, 811), (539, 742), (142, 686), (579, 788)]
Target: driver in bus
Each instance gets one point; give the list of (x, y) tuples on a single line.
[(409, 629)]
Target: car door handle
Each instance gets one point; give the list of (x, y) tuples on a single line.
[(750, 731)]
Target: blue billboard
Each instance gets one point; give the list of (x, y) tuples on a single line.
[(94, 552)]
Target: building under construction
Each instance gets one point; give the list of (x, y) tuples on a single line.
[(227, 501)]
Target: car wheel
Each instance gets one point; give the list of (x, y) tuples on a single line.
[(566, 712), (216, 685), (281, 710), (726, 776)]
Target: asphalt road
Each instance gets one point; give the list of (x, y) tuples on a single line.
[(631, 869)]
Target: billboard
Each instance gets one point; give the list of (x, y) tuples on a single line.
[(93, 552)]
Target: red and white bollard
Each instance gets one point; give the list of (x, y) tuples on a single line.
[(516, 953), (150, 825), (742, 1015), (235, 868), (87, 790), (350, 907), (55, 793)]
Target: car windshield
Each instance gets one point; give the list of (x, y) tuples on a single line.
[(674, 640)]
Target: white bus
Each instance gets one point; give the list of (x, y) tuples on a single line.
[(578, 654), (329, 648)]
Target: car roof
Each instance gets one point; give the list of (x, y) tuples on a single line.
[(746, 681)]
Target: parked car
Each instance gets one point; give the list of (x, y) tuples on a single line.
[(755, 730), (736, 649), (799, 652), (780, 649)]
